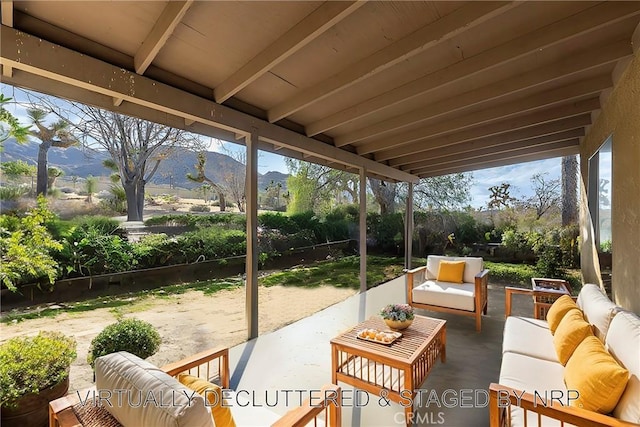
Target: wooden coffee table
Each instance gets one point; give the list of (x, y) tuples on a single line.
[(400, 367)]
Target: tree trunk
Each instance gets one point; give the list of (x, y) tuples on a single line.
[(140, 199), (223, 203), (42, 176), (130, 189), (385, 195), (569, 190)]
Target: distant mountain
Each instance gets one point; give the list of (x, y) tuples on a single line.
[(173, 170)]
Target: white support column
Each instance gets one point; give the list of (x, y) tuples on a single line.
[(251, 194), (363, 230), (408, 234)]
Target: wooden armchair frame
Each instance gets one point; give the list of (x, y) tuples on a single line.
[(61, 413), (418, 275), (500, 413), (538, 313)]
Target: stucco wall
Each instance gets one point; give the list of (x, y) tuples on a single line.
[(620, 118)]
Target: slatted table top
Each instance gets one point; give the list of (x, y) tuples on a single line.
[(405, 349)]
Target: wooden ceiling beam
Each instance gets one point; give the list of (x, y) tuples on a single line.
[(542, 155), (486, 146), (539, 123), (571, 126), (34, 55), (571, 143), (6, 9), (169, 19), (564, 94), (481, 152), (301, 34), (587, 60), (589, 20), (443, 29)]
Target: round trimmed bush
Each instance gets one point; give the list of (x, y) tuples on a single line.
[(132, 335)]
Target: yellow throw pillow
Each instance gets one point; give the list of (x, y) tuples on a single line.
[(222, 416), (595, 374), (569, 334), (451, 271), (557, 311)]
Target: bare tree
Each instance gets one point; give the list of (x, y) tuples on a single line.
[(233, 180), (546, 194), (136, 146), (569, 190), (57, 135)]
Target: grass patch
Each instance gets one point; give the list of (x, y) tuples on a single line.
[(342, 273), (119, 305)]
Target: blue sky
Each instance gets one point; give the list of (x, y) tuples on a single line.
[(517, 175)]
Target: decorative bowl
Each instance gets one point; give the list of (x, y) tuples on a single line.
[(397, 324)]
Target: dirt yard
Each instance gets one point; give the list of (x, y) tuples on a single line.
[(188, 323)]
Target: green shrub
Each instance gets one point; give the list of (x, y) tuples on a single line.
[(387, 230), (514, 273), (31, 364), (211, 243), (549, 263), (155, 250), (277, 221), (26, 248), (199, 208), (13, 192), (89, 252), (132, 335), (231, 220)]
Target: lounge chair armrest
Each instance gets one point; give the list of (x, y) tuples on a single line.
[(416, 276), (483, 275), (328, 401), (203, 359), (502, 397)]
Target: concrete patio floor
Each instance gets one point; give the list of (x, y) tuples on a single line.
[(298, 357)]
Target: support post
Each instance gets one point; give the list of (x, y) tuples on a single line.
[(408, 232), (251, 194), (363, 230)]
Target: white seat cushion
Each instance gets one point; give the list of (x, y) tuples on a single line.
[(529, 337), (597, 308), (473, 266), (445, 294), (623, 342), (144, 395), (533, 375)]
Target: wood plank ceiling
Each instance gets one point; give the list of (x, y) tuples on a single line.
[(428, 88)]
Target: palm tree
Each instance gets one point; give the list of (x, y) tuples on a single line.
[(56, 135)]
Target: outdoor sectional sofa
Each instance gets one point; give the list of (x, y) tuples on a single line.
[(179, 395), (467, 296), (531, 365)]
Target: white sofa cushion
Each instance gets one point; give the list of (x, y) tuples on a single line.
[(445, 294), (158, 399), (623, 342), (597, 308), (529, 337), (473, 266), (533, 375)]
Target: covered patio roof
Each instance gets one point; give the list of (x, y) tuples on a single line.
[(401, 89), (396, 90)]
